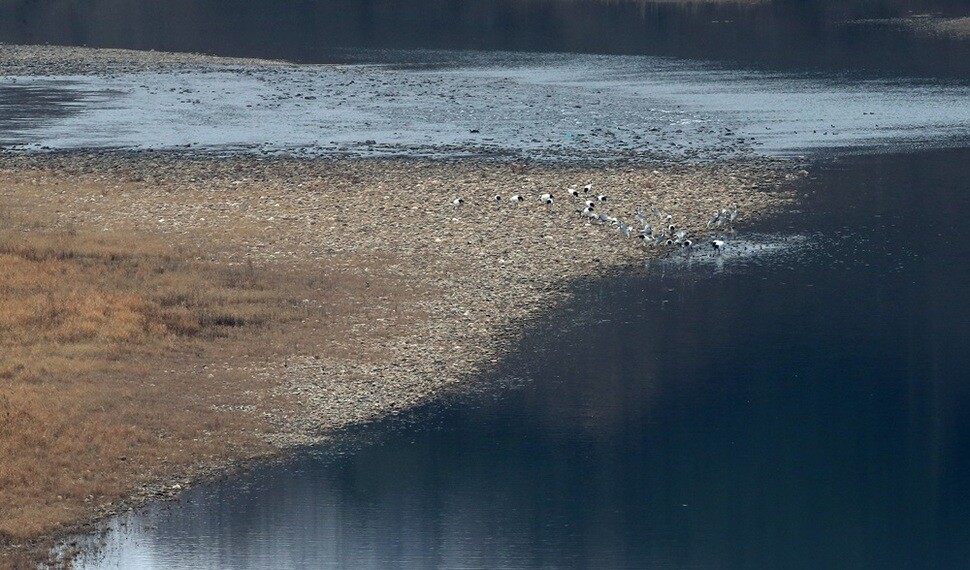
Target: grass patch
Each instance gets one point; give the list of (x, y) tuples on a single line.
[(68, 289), (101, 345)]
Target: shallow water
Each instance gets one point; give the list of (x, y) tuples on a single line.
[(30, 106), (799, 401), (493, 104), (514, 78)]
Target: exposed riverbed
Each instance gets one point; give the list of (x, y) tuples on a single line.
[(793, 401), (797, 402)]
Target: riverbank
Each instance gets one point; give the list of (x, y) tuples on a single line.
[(374, 293), (171, 316), (37, 60)]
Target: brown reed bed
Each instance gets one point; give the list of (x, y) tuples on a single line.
[(166, 317)]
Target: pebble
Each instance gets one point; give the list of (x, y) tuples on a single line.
[(482, 272)]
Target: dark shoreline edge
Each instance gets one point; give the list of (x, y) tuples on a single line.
[(169, 488)]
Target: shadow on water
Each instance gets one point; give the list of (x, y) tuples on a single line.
[(31, 106), (779, 34), (806, 407)]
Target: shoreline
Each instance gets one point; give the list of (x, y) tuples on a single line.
[(51, 60), (389, 351), (392, 296)]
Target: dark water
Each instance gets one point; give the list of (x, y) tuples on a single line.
[(802, 401), (806, 406), (781, 34), (32, 106), (777, 77)]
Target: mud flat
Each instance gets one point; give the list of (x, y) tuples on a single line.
[(32, 60), (386, 294)]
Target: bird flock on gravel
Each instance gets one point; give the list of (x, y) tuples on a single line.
[(654, 228)]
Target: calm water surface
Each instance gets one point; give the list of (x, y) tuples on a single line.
[(829, 35), (801, 401)]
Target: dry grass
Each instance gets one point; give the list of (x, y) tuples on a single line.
[(71, 290), (163, 312), (98, 385), (129, 359)]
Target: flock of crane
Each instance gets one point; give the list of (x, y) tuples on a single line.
[(656, 230)]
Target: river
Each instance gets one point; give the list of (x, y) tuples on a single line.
[(799, 401)]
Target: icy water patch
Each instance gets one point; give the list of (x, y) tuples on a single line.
[(518, 105)]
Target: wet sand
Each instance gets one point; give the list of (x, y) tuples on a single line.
[(434, 293), (29, 60)]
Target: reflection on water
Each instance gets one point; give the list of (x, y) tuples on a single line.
[(805, 409), (791, 403), (27, 105), (817, 34)]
